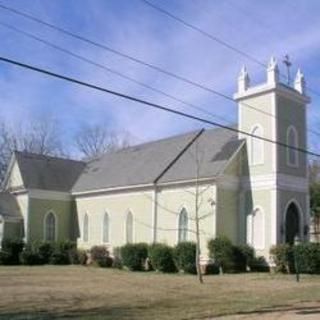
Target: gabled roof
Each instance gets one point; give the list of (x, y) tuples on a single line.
[(9, 207), (48, 173), (165, 160)]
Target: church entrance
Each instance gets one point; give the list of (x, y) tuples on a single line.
[(292, 226)]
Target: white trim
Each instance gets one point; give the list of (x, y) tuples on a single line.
[(229, 182), (274, 217), (251, 141), (275, 181), (49, 195), (154, 215), (55, 225), (301, 217), (279, 88), (274, 132), (251, 218), (294, 164)]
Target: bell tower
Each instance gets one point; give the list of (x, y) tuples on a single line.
[(274, 198)]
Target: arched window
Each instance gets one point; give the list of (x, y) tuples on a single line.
[(256, 146), (183, 226), (50, 227), (292, 141), (129, 227), (1, 229), (256, 229), (86, 228), (105, 231)]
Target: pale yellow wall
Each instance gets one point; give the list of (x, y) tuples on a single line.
[(117, 206), (249, 118), (172, 200)]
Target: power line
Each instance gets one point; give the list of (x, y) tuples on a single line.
[(141, 62), (151, 104), (110, 70), (215, 38)]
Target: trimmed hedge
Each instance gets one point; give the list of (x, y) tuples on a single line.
[(134, 256), (307, 257), (221, 251), (161, 258), (101, 257), (282, 256), (10, 252), (185, 257)]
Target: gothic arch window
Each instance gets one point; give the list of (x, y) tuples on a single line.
[(50, 226), (106, 226), (85, 228), (129, 227), (292, 140), (183, 226), (256, 229), (256, 147)]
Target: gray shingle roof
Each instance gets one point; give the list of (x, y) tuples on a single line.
[(143, 164), (9, 206), (48, 173)]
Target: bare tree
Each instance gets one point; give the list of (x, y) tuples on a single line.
[(314, 187), (95, 140), (41, 137)]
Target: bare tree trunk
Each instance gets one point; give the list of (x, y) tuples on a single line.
[(197, 220)]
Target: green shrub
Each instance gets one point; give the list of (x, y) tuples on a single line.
[(211, 268), (61, 252), (239, 260), (45, 250), (185, 257), (82, 257), (307, 257), (100, 256), (4, 258), (134, 256), (282, 256), (248, 253), (259, 264), (161, 258), (222, 252), (117, 260), (30, 257), (12, 250)]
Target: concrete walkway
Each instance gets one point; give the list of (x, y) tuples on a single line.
[(305, 311)]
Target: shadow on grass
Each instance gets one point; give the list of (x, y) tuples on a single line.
[(94, 314)]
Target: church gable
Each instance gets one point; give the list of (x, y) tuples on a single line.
[(13, 180)]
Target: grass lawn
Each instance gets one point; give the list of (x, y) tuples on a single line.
[(75, 292)]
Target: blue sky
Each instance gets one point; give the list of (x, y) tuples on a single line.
[(261, 28)]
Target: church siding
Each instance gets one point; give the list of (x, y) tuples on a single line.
[(140, 204), (170, 203), (294, 114), (38, 208)]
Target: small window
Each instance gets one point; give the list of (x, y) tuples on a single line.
[(86, 228), (129, 227), (50, 227), (105, 237), (183, 226), (256, 147), (292, 141)]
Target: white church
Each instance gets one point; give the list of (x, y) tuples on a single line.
[(248, 189)]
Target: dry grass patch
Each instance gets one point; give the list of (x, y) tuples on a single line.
[(91, 293)]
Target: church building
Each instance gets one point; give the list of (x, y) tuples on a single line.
[(251, 190)]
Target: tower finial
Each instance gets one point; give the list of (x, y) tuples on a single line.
[(243, 80), (300, 82), (273, 71)]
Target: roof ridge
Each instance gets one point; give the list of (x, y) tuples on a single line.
[(38, 155)]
